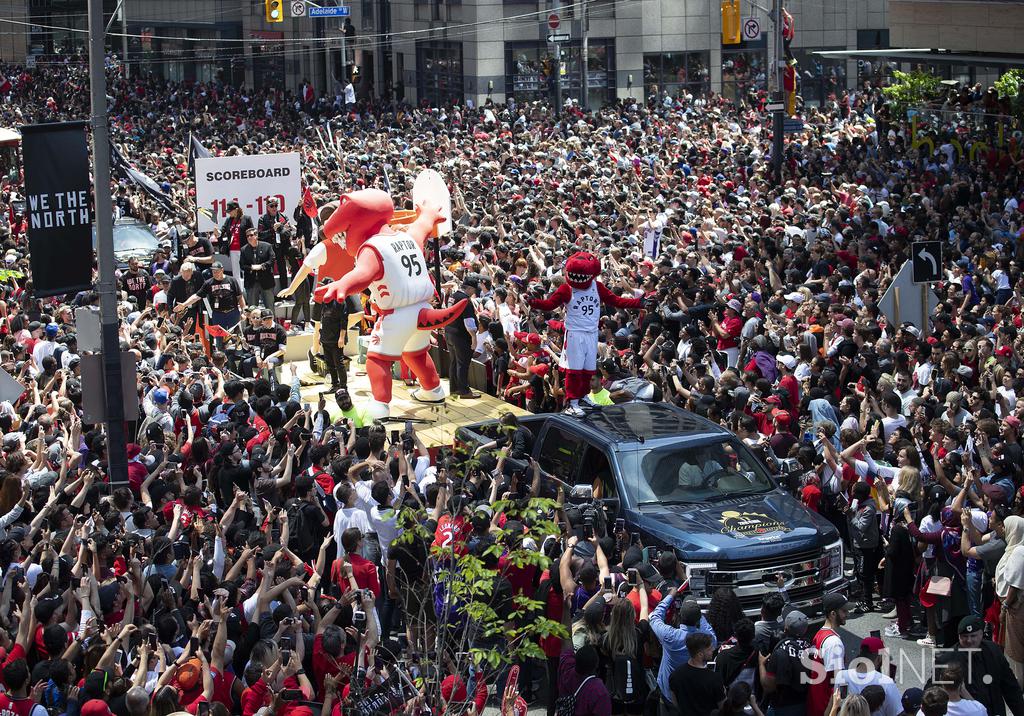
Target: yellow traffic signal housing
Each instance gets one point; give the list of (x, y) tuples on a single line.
[(731, 22), (275, 10)]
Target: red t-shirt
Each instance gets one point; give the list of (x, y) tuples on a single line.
[(811, 496), (452, 534), (236, 236), (793, 388), (521, 578), (733, 326)]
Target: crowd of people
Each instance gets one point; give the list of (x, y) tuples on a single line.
[(271, 557)]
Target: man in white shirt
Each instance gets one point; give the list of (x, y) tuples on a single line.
[(653, 228), (348, 515), (954, 413), (865, 673), (46, 346), (383, 517)]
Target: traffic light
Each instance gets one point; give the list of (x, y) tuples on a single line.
[(275, 10), (731, 22)]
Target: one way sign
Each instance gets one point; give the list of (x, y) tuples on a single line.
[(927, 258)]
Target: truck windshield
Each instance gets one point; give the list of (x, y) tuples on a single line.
[(697, 473)]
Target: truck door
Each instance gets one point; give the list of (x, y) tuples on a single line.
[(560, 452)]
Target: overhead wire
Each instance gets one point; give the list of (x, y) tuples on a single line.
[(536, 14), (207, 55)]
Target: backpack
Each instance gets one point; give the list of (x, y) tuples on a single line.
[(566, 705), (300, 535), (628, 683)]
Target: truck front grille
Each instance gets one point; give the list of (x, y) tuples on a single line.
[(752, 579)]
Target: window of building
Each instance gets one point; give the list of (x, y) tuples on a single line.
[(530, 69), (439, 72), (674, 72), (818, 77), (744, 69)]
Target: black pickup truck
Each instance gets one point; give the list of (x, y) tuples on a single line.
[(684, 483)]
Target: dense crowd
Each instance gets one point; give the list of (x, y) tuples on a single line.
[(270, 557)]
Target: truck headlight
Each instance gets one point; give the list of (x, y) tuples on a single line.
[(697, 576), (832, 562)]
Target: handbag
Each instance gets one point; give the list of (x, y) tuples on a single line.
[(939, 586)]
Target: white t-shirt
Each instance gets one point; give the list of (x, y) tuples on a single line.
[(857, 681), (929, 525), (963, 707), (833, 653), (889, 425), (346, 518)]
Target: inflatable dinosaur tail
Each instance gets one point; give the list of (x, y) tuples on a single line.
[(431, 318)]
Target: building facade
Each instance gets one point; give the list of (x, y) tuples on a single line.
[(441, 51)]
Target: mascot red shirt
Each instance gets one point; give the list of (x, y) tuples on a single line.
[(582, 295)]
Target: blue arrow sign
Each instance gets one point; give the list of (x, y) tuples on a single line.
[(342, 11)]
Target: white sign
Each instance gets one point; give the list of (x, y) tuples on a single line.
[(298, 8), (751, 29), (248, 180)]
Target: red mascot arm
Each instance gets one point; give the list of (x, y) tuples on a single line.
[(423, 226), (610, 299), (560, 297), (368, 268)]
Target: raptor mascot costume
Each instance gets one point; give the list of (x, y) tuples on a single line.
[(390, 263), (582, 294)]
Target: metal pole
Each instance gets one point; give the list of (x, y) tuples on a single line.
[(924, 310), (778, 116), (585, 72), (557, 6), (124, 39), (344, 59), (328, 74), (117, 458)]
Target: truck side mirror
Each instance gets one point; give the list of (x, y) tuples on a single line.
[(581, 492)]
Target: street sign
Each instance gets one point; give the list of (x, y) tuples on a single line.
[(927, 259), (751, 29), (906, 301), (298, 8), (563, 37), (792, 125), (775, 107), (554, 21), (342, 11)]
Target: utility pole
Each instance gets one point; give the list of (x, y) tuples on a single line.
[(124, 39), (117, 458), (778, 96), (585, 72), (557, 7)]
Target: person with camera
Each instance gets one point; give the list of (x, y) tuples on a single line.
[(673, 638)]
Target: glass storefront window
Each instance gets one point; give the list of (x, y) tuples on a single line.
[(743, 71), (818, 77), (675, 72), (530, 69), (439, 72)]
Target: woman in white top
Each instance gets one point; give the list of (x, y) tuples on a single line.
[(1009, 585)]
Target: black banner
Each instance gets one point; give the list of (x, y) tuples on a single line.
[(58, 205)]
